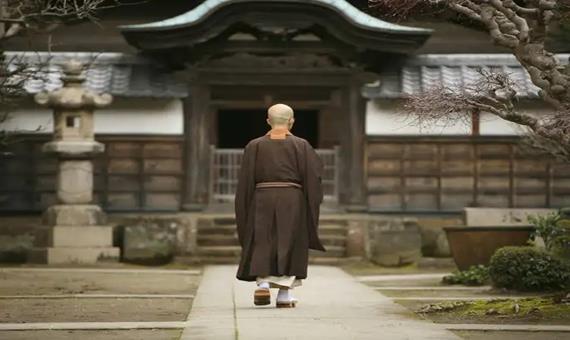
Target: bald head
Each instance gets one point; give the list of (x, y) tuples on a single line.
[(280, 114)]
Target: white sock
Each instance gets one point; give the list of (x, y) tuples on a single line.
[(264, 284), (284, 295)]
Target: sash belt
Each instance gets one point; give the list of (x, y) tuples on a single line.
[(278, 185)]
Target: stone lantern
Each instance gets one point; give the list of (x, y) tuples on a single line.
[(74, 230)]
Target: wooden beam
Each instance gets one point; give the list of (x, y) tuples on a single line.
[(475, 123), (353, 115), (197, 148)]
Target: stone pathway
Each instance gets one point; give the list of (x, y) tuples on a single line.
[(333, 305)]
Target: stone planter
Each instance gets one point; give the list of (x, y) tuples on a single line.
[(474, 245)]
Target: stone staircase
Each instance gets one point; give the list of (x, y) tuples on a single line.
[(217, 241)]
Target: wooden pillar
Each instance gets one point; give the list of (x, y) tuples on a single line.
[(197, 148), (353, 137)]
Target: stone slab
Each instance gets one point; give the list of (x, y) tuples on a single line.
[(74, 236), (73, 215), (395, 242), (332, 306), (150, 240), (69, 255), (403, 277), (213, 309), (501, 216)]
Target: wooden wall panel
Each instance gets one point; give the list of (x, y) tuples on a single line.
[(450, 173), (134, 173)]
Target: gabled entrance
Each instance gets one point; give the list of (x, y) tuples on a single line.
[(314, 55)]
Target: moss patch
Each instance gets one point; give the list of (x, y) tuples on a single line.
[(550, 310)]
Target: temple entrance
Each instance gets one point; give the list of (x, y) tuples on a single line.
[(235, 128)]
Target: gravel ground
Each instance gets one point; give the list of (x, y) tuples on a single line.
[(57, 282), (154, 334), (93, 310), (120, 281)]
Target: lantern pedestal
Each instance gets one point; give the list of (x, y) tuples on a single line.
[(74, 230), (73, 234)]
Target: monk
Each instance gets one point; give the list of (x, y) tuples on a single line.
[(277, 209)]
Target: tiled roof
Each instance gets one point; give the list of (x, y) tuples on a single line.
[(115, 73), (132, 76), (454, 71)]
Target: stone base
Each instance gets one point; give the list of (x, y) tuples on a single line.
[(68, 255), (150, 241), (73, 215), (74, 236), (395, 242)]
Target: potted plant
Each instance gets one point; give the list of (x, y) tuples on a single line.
[(474, 245)]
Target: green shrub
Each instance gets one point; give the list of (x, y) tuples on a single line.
[(554, 230), (474, 276), (528, 268)]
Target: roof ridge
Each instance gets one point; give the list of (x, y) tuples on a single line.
[(343, 7)]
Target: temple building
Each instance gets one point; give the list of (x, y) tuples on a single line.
[(191, 84)]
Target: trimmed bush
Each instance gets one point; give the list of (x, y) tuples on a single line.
[(474, 276), (528, 269)]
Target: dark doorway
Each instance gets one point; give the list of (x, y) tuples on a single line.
[(237, 127)]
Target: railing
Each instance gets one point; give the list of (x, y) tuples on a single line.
[(225, 165)]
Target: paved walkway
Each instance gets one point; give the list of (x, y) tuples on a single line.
[(333, 305)]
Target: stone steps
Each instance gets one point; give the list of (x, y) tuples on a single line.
[(231, 229), (217, 242), (193, 260), (232, 240), (235, 251)]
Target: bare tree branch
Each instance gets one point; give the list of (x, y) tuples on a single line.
[(19, 15), (521, 26)]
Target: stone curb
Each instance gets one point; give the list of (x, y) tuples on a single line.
[(91, 325), (103, 270), (99, 296)]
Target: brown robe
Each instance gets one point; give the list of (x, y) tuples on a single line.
[(277, 226)]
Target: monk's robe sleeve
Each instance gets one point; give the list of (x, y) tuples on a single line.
[(314, 194), (244, 193)]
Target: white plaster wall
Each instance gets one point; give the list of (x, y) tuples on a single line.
[(491, 125), (386, 117), (124, 116)]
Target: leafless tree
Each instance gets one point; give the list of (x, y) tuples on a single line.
[(18, 16), (522, 26)]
